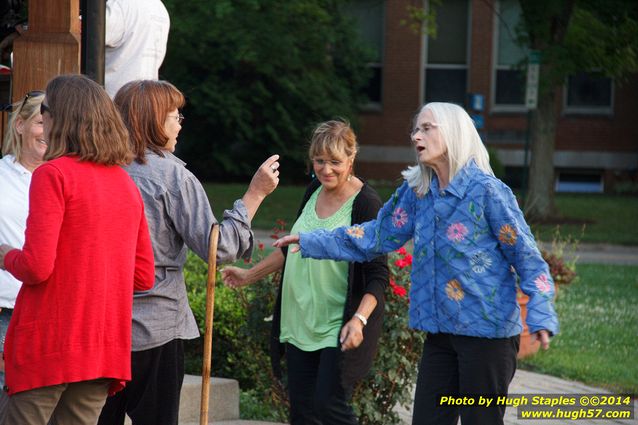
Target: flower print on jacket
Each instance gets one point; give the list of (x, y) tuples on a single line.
[(456, 232), (507, 235), (454, 290), (399, 217), (356, 232), (542, 283), (480, 262)]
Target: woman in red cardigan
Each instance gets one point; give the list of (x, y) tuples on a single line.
[(86, 249)]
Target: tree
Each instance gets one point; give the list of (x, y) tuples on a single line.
[(572, 36), (258, 75)]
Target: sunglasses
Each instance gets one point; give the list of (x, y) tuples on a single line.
[(44, 108), (29, 95)]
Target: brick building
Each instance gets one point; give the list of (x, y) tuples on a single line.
[(474, 52)]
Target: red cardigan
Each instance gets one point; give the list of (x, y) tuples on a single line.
[(86, 248)]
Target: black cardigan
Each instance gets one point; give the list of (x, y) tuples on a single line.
[(369, 277)]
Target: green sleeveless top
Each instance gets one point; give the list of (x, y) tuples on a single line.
[(314, 291)]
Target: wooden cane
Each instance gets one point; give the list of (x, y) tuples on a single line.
[(208, 334)]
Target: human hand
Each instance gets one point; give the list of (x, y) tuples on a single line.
[(266, 178), (287, 240), (543, 337), (351, 334), (3, 251), (235, 277)]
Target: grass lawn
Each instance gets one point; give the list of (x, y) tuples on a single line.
[(611, 218), (597, 343)]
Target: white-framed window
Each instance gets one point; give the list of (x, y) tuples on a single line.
[(446, 56), (508, 88), (369, 16), (589, 93)]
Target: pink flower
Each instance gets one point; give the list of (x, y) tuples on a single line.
[(542, 283), (456, 232), (399, 217)]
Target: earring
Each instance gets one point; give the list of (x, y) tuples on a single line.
[(349, 177)]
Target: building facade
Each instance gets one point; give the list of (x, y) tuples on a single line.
[(475, 53)]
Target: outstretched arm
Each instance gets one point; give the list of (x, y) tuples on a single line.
[(236, 277)]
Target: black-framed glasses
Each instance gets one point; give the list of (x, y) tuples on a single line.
[(29, 95), (178, 117), (45, 108)]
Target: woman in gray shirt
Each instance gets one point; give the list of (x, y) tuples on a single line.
[(179, 217)]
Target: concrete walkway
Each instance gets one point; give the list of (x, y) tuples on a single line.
[(525, 382)]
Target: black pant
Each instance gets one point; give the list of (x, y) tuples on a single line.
[(152, 396), (453, 365), (317, 396)]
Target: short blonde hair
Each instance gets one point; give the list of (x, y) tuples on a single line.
[(25, 109), (461, 139), (333, 138), (85, 122)]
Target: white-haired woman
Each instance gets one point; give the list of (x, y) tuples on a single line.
[(469, 235)]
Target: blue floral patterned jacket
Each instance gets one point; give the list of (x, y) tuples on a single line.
[(470, 244)]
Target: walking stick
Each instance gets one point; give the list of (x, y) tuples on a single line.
[(208, 334)]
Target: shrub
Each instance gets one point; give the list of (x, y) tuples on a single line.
[(394, 370), (241, 332), (561, 258)]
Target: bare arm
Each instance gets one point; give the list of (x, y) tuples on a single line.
[(352, 332), (262, 184), (236, 277)]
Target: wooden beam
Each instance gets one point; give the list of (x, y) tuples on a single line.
[(50, 47)]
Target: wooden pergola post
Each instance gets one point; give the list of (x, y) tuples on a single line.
[(50, 47)]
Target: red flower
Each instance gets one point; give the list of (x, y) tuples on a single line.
[(399, 290), (260, 246), (408, 259), (402, 251)]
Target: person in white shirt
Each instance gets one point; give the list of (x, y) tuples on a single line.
[(135, 44), (22, 153)]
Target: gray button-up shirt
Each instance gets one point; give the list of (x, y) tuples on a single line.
[(179, 217)]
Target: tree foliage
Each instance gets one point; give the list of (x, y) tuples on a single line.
[(573, 36), (258, 75)]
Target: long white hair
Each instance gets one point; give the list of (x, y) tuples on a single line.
[(461, 139)]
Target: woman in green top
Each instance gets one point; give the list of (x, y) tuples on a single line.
[(328, 313)]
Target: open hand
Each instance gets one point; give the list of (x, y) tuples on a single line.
[(234, 277), (287, 240)]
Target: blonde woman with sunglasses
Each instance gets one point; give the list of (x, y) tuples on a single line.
[(22, 152)]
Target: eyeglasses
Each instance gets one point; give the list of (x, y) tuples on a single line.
[(45, 108), (29, 95), (322, 162), (424, 128), (178, 117)]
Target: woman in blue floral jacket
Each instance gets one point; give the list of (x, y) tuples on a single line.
[(471, 245)]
